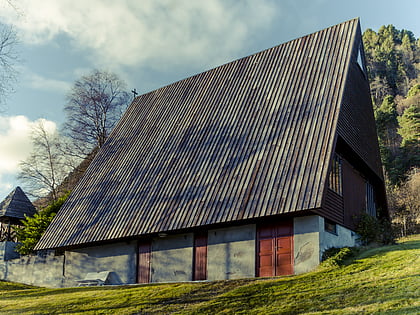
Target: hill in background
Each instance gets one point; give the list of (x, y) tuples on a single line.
[(393, 61)]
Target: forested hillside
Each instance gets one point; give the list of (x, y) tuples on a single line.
[(393, 60)]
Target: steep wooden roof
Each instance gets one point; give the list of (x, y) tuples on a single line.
[(16, 205), (248, 139)]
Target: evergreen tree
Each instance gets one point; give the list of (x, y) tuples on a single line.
[(393, 58), (414, 91), (34, 227), (386, 124), (386, 121), (393, 62), (410, 125)]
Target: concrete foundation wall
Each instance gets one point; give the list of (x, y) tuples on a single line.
[(7, 250), (172, 258), (306, 243), (119, 259), (44, 271), (231, 253), (342, 238), (311, 240)]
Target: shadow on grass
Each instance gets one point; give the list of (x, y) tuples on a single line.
[(404, 310), (4, 285), (410, 243), (40, 292), (134, 300), (293, 300), (322, 290)]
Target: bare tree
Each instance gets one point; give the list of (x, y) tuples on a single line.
[(94, 105), (8, 58), (46, 167), (404, 202)]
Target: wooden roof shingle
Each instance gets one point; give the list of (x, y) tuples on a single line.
[(16, 205), (248, 139)]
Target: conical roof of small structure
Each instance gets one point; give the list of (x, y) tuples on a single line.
[(16, 205)]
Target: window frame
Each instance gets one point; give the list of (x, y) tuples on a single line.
[(330, 227), (370, 199), (335, 176), (360, 60)]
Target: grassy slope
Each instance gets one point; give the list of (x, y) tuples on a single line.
[(382, 280)]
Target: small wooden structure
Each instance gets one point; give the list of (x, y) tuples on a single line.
[(12, 210)]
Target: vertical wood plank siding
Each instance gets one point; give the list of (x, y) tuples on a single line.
[(248, 139), (357, 140), (356, 118), (353, 185)]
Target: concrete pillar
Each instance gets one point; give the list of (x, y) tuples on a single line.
[(231, 253), (118, 258), (172, 258), (8, 250), (307, 243)]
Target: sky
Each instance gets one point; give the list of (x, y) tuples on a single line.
[(150, 44)]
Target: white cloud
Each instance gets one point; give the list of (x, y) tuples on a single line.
[(39, 82), (15, 142), (5, 187), (149, 32)]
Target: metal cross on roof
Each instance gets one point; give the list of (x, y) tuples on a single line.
[(134, 91)]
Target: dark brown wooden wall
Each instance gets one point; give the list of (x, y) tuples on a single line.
[(356, 123), (333, 207), (345, 209), (354, 195), (357, 143)]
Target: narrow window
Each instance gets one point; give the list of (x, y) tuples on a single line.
[(360, 61), (335, 178), (370, 200), (330, 226)]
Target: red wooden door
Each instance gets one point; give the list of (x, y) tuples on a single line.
[(275, 249), (266, 262), (200, 257), (144, 256)]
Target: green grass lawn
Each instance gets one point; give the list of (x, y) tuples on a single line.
[(384, 280)]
